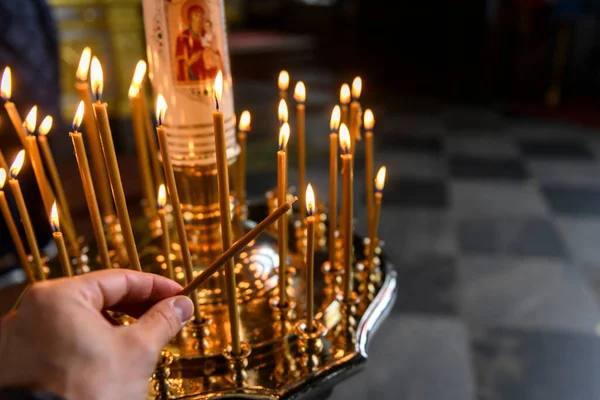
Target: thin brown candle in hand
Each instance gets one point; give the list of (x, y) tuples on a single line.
[(166, 240), (14, 231), (88, 188), (240, 186), (224, 204), (282, 226), (355, 113), (334, 125), (283, 82), (27, 227), (369, 123), (310, 258), (110, 157), (161, 109), (347, 208), (344, 101), (11, 109), (100, 174), (300, 96), (379, 183), (63, 257)]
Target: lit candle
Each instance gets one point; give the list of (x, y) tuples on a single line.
[(36, 160), (369, 123), (11, 109), (283, 83), (282, 228), (141, 146), (88, 188), (63, 257), (300, 96), (14, 231), (355, 113), (226, 233), (379, 183), (82, 86), (347, 207), (161, 110), (282, 112), (25, 220), (333, 181), (166, 240), (310, 257), (344, 101), (68, 225), (243, 128), (112, 166)]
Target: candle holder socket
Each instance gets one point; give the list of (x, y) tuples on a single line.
[(238, 362)]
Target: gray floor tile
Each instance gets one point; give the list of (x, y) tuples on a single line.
[(526, 292), (416, 358), (412, 164), (581, 236), (482, 146), (565, 172), (495, 199)]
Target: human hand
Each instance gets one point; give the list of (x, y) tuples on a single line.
[(58, 341)]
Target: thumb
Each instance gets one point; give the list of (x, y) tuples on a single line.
[(164, 320)]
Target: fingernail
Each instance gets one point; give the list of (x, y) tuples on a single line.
[(184, 308)]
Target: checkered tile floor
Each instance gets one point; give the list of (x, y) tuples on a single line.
[(493, 224)]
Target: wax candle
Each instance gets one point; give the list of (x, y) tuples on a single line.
[(344, 101), (161, 109), (101, 182), (63, 257), (283, 83), (300, 96), (226, 232), (282, 226), (24, 214), (110, 158), (141, 147), (14, 231), (36, 160), (3, 163), (243, 128), (347, 207), (333, 181), (310, 257), (88, 188), (282, 112), (379, 184), (11, 109), (236, 248), (355, 113), (166, 240), (369, 123)]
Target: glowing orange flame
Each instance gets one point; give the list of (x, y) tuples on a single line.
[(380, 179), (161, 109), (300, 92), (284, 80), (245, 120), (284, 135), (84, 64), (310, 200), (2, 178), (31, 120), (54, 223), (140, 73), (162, 196), (345, 142), (369, 120), (16, 166), (6, 85), (356, 87), (282, 111), (46, 125), (218, 88), (78, 116), (97, 78), (345, 94), (336, 115)]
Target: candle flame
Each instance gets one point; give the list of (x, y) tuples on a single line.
[(345, 138), (282, 111), (369, 120), (284, 80), (46, 125), (162, 196), (310, 200), (218, 87), (54, 223), (356, 87), (15, 168), (140, 73), (284, 135), (161, 109), (97, 78), (78, 116), (245, 120), (380, 179), (336, 115), (6, 85), (345, 94), (300, 92), (84, 64), (31, 119), (133, 91), (2, 178)]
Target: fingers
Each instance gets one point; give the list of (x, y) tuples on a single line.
[(162, 322), (118, 288)]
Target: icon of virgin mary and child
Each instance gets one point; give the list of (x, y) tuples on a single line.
[(197, 57)]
